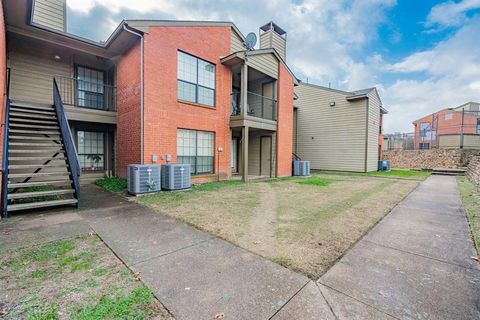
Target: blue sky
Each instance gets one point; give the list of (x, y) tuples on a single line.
[(421, 55)]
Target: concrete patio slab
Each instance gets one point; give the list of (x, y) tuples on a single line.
[(26, 230), (308, 303), (136, 234), (439, 236), (216, 277), (406, 285), (345, 307)]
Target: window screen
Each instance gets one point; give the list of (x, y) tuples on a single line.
[(197, 149), (196, 80)]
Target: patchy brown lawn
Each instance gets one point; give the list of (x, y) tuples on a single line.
[(77, 278), (303, 224)]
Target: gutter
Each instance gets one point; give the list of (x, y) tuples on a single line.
[(126, 28)]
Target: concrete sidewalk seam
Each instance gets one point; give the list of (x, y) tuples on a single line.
[(290, 299), (326, 301), (360, 301), (421, 255), (170, 252)]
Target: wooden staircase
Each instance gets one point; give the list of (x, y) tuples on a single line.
[(39, 174)]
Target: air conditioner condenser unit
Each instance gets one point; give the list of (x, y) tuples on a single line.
[(143, 178)]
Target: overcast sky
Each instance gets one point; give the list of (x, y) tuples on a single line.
[(422, 55)]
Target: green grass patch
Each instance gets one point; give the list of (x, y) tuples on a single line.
[(471, 202), (213, 186), (401, 173), (281, 260), (131, 306), (316, 181), (113, 184), (393, 173), (49, 312), (39, 198)]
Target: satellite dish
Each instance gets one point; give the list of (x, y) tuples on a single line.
[(250, 41)]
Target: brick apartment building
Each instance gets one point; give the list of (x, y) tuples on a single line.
[(457, 127), (153, 92)]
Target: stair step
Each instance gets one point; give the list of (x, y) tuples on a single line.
[(36, 166), (58, 150), (38, 174), (14, 137), (38, 183), (18, 125), (23, 195), (34, 112), (22, 120), (40, 204), (35, 158), (32, 106), (28, 144), (52, 133), (15, 114)]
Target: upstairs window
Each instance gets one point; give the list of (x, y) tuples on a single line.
[(196, 80), (424, 128)]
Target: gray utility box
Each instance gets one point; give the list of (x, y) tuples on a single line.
[(176, 176), (143, 178), (301, 168), (384, 165)]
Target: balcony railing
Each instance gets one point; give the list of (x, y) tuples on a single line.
[(87, 94), (257, 106)]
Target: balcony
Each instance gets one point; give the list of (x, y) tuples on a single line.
[(258, 106), (87, 94)]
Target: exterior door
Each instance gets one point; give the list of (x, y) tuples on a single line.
[(234, 155), (266, 156)]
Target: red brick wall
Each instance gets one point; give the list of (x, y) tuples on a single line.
[(285, 123), (164, 114), (128, 108)]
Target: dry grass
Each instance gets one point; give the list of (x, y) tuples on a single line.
[(303, 224), (76, 278)]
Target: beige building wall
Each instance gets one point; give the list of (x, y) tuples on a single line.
[(236, 43), (254, 152), (373, 128), (452, 141), (271, 39), (266, 63), (332, 138), (50, 13)]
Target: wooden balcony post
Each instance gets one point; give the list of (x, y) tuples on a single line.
[(245, 154), (243, 90)]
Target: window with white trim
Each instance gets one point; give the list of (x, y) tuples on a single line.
[(196, 80), (196, 148)]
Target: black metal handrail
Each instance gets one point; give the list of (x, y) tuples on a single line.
[(86, 94), (69, 145), (5, 148), (257, 106)]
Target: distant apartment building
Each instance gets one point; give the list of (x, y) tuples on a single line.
[(158, 92), (457, 127), (338, 130)]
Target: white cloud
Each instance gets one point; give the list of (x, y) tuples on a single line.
[(450, 13), (452, 78)]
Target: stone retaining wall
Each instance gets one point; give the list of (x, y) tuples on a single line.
[(429, 159), (473, 171)]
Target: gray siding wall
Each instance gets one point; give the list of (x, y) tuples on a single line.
[(254, 152), (50, 13), (236, 43), (373, 131), (332, 138), (266, 63), (271, 39), (32, 73)]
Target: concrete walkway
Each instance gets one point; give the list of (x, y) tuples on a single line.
[(415, 264)]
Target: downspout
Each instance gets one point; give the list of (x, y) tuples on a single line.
[(141, 90)]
